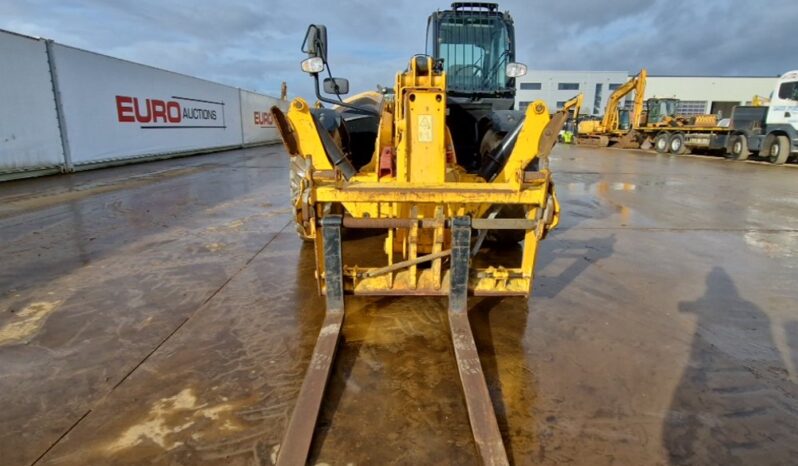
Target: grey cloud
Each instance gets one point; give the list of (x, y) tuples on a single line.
[(255, 44), (723, 37)]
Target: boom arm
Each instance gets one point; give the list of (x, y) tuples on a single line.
[(637, 84), (575, 103)]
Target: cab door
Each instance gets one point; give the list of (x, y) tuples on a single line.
[(784, 104)]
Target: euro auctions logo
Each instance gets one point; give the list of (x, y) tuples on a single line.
[(264, 119), (174, 113)]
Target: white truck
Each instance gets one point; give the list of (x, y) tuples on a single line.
[(772, 131)]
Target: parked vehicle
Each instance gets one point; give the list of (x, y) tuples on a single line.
[(616, 127), (770, 132)]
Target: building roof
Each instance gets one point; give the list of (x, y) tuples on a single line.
[(708, 76), (532, 70), (659, 75)]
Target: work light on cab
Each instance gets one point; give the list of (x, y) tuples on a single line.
[(313, 65), (515, 70)]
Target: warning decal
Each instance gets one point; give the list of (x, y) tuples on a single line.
[(425, 128)]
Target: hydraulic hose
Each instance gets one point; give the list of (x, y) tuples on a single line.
[(334, 154)]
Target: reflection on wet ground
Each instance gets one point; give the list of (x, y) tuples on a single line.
[(165, 313)]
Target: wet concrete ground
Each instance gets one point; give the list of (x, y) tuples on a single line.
[(164, 313)]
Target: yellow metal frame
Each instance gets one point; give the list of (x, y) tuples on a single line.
[(428, 186)]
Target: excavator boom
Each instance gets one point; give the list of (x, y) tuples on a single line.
[(610, 121), (608, 130), (574, 104)]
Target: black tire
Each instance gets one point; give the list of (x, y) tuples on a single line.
[(676, 144), (504, 239), (661, 143), (738, 147), (779, 150)]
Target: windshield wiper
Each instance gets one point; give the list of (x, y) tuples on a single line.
[(499, 62)]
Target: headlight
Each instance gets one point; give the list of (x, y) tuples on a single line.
[(313, 65), (515, 70)]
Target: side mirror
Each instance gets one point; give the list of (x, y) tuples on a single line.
[(515, 70), (336, 85), (315, 43)]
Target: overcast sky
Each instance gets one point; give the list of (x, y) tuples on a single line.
[(255, 44)]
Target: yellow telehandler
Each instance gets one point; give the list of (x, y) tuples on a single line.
[(437, 162)]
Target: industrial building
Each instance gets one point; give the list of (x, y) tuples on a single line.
[(556, 87), (698, 94)]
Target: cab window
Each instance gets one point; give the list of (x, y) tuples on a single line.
[(789, 91), (475, 51)]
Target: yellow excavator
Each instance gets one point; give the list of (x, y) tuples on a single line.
[(760, 101), (436, 163), (611, 130), (572, 108), (574, 104)]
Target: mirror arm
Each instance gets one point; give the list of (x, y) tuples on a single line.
[(364, 111)]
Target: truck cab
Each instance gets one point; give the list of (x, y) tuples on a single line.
[(772, 131), (783, 109)]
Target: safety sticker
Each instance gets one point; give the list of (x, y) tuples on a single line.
[(425, 128)]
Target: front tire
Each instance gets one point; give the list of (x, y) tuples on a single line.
[(739, 147), (779, 150), (504, 239)]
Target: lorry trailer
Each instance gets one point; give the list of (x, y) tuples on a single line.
[(770, 132)]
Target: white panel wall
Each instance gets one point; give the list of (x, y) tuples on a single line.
[(256, 118), (707, 89), (116, 109), (710, 88), (549, 91), (29, 134)]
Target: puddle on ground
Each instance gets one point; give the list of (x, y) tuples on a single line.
[(601, 192), (169, 417), (214, 247), (600, 187), (27, 322), (773, 245)]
